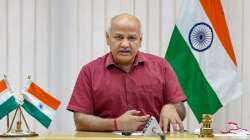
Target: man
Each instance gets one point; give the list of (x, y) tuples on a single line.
[(120, 90)]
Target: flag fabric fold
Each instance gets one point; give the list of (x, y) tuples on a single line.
[(201, 53), (39, 103), (7, 100)]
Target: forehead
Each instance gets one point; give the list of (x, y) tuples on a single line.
[(128, 25)]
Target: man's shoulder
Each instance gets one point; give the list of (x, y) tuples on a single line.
[(96, 63)]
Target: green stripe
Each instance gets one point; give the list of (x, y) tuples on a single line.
[(202, 99), (36, 113), (7, 107)]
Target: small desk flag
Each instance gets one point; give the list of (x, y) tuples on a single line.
[(7, 100), (39, 103)]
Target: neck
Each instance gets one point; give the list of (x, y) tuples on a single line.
[(125, 68)]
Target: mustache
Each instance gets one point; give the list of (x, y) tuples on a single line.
[(125, 50)]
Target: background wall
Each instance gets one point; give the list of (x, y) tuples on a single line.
[(52, 39)]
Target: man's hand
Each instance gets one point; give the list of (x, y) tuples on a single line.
[(169, 115), (131, 120)]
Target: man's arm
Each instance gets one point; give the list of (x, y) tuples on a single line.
[(172, 114), (127, 121), (85, 122)]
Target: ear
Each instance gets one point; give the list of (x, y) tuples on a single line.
[(107, 38), (140, 40), (141, 37)]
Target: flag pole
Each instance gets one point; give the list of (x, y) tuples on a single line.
[(7, 117), (13, 120), (27, 126), (18, 132), (8, 121)]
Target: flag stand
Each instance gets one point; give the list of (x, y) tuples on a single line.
[(18, 131)]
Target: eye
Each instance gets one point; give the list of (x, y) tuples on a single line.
[(118, 37), (132, 38)]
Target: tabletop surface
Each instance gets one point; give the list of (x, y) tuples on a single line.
[(112, 136)]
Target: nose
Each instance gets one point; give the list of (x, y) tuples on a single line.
[(125, 43)]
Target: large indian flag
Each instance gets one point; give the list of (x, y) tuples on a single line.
[(39, 103), (201, 53), (7, 100)]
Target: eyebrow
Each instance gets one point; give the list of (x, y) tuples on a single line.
[(130, 34)]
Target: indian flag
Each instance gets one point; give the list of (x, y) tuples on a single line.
[(39, 104), (7, 100), (201, 53)]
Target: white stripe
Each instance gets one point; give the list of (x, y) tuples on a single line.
[(36, 102), (4, 96), (215, 63)]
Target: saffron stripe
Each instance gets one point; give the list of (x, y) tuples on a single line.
[(3, 86), (39, 93), (214, 11)]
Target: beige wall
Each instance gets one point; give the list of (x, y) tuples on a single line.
[(52, 39)]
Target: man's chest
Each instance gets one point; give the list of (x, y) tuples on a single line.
[(130, 90)]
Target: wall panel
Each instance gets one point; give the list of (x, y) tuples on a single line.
[(3, 46), (53, 39), (245, 114)]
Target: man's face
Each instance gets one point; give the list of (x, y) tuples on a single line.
[(124, 41)]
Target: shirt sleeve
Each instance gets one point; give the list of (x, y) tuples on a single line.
[(173, 92), (81, 99)]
